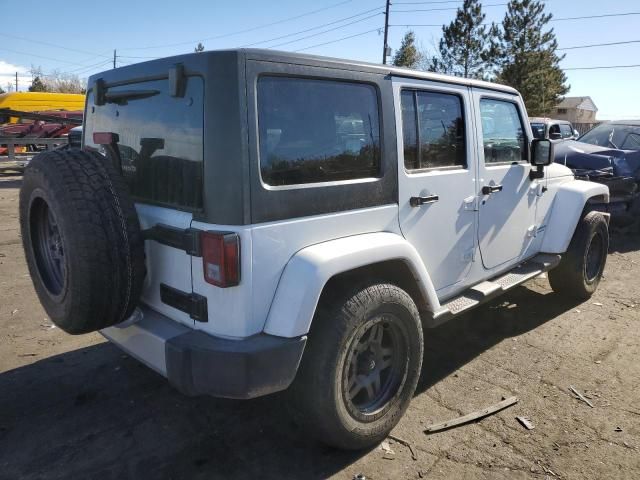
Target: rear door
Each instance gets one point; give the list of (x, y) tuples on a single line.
[(437, 176), (160, 143)]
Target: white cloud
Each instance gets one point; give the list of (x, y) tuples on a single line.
[(8, 75)]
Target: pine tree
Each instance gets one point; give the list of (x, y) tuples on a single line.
[(527, 56), (199, 48), (2, 91), (465, 48), (407, 55), (37, 85)]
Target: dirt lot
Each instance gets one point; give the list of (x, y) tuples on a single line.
[(76, 407)]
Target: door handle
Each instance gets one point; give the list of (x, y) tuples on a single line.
[(489, 189), (417, 201)]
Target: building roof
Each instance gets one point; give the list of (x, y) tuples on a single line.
[(580, 103)]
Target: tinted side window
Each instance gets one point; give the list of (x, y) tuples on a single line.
[(317, 130), (160, 141), (502, 132), (433, 130), (538, 130), (409, 130), (565, 130)]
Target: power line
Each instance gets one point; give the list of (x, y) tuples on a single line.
[(41, 56), (338, 40), (427, 3), (134, 56), (278, 22), (324, 31), (599, 45), (443, 9), (313, 28), (606, 67), (595, 16), (93, 54), (552, 20)]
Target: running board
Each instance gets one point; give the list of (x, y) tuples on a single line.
[(489, 289)]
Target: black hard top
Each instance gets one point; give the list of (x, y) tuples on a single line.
[(299, 59)]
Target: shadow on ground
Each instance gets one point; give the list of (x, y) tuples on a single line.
[(625, 239), (96, 413)]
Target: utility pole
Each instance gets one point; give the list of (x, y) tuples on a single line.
[(16, 81), (114, 58), (386, 33)]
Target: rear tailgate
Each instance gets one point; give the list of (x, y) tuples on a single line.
[(159, 139)]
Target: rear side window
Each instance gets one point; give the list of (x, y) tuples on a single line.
[(314, 131), (502, 132), (432, 130), (160, 140), (565, 130), (538, 130)]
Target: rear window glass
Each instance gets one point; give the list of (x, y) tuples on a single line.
[(538, 130), (565, 130), (314, 131), (160, 141), (433, 130)]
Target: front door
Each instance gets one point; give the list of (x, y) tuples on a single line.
[(437, 176), (507, 196)]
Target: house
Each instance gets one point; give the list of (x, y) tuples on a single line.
[(576, 110)]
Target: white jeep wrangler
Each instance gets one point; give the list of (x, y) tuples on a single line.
[(249, 221)]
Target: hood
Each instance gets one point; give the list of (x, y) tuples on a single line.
[(608, 161)]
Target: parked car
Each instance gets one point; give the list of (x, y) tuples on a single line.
[(75, 137), (609, 154), (552, 129), (247, 221)]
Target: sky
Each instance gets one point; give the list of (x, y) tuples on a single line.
[(80, 37)]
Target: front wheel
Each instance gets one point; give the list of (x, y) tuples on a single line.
[(581, 267), (361, 366)]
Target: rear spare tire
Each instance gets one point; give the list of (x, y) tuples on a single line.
[(82, 240)]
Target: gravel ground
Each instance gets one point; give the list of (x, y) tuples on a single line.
[(77, 407)]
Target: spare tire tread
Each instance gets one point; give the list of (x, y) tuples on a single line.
[(103, 244)]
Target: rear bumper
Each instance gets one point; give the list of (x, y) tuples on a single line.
[(199, 364)]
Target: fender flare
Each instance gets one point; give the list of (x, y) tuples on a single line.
[(566, 210), (308, 271)]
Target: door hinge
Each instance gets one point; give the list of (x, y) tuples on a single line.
[(187, 239), (189, 302)]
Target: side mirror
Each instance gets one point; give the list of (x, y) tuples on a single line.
[(576, 134), (541, 152)]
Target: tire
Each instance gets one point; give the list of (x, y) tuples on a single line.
[(82, 240), (580, 269), (336, 351)]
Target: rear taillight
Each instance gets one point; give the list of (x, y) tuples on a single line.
[(105, 138), (221, 258)]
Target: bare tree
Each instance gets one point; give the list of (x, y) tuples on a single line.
[(56, 81)]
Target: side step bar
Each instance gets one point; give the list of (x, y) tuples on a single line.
[(490, 289)]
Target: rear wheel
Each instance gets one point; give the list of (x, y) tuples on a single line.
[(360, 368), (581, 267)]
